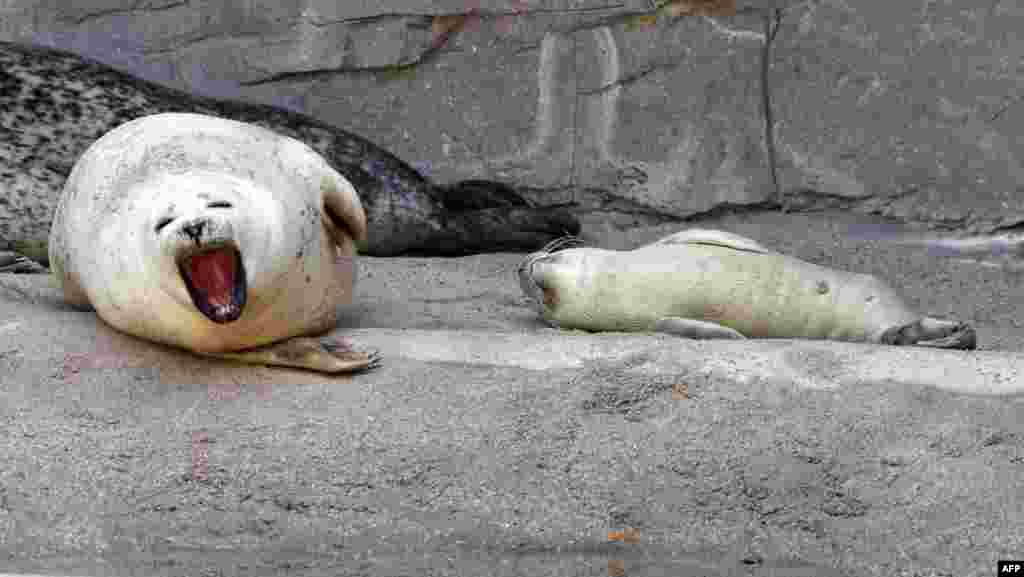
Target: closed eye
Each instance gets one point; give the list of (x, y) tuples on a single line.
[(160, 224), (219, 204)]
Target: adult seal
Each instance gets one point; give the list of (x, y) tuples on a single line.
[(215, 236), (54, 104), (711, 284)]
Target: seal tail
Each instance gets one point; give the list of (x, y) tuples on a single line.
[(487, 216), (476, 194), (933, 332)]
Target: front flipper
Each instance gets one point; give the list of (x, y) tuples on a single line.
[(932, 332), (694, 329), (325, 355)]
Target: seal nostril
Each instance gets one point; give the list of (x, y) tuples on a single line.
[(160, 224), (219, 204), (194, 230)]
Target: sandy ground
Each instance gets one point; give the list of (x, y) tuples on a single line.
[(488, 444)]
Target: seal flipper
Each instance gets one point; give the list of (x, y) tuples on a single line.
[(474, 194), (489, 216), (343, 213), (932, 332), (515, 229), (694, 329), (324, 355)]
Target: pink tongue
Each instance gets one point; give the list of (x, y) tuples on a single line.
[(213, 273)]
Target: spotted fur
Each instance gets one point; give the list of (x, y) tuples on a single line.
[(54, 104)]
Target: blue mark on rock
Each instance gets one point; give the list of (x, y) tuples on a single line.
[(392, 183), (423, 167)]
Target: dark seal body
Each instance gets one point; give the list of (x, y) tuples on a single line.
[(54, 104)]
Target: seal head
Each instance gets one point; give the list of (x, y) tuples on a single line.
[(544, 275), (194, 234)]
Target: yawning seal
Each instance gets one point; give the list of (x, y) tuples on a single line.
[(212, 235)]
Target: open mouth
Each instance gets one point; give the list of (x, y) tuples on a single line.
[(215, 280)]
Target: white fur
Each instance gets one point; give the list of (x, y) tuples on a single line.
[(697, 279), (105, 251)]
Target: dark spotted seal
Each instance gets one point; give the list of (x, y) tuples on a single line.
[(54, 104)]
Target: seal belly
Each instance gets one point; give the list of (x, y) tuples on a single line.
[(624, 291), (775, 295), (763, 295), (760, 295)]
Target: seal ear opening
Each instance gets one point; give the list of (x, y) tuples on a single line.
[(342, 212)]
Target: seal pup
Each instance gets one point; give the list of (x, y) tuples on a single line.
[(215, 236), (54, 104), (707, 284)]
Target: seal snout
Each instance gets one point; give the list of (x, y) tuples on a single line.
[(535, 282), (527, 281), (194, 230), (215, 280), (536, 269)]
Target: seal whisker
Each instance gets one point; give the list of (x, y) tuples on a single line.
[(561, 243), (524, 268)]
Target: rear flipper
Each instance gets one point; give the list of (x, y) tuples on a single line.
[(489, 216), (931, 332), (479, 194), (694, 329), (513, 229)]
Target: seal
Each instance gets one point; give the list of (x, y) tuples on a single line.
[(215, 236), (54, 104), (706, 284)]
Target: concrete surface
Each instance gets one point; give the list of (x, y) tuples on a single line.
[(490, 445)]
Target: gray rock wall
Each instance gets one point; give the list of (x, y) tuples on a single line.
[(905, 109)]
